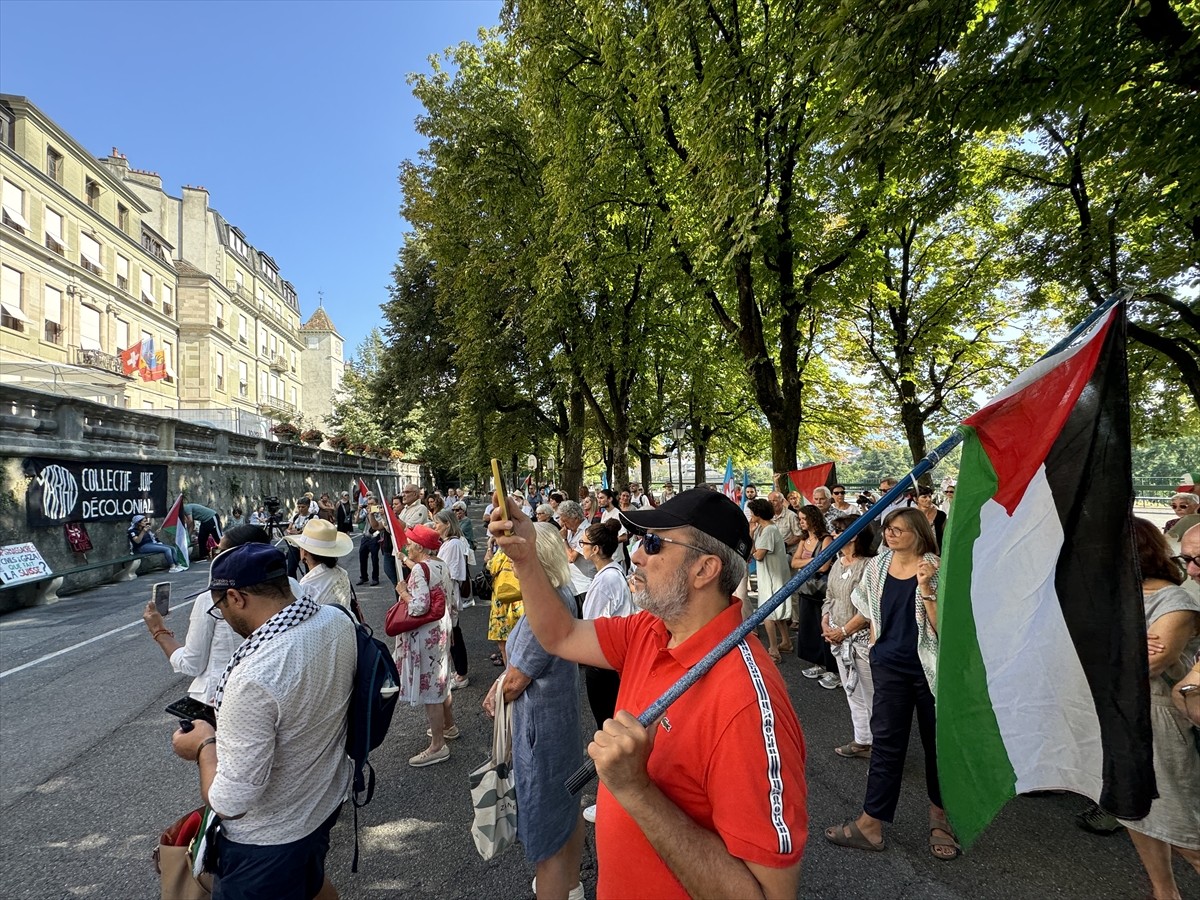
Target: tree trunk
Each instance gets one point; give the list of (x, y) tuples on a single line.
[(914, 432), (571, 476), (700, 451), (618, 479)]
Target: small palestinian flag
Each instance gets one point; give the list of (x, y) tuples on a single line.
[(804, 480), (1042, 656), (177, 534)]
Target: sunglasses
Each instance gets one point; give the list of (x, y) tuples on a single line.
[(1186, 561), (839, 493), (653, 543), (215, 609)]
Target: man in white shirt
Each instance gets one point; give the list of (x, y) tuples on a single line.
[(414, 512), (275, 770), (306, 510)]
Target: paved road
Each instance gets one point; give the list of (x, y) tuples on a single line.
[(87, 779)]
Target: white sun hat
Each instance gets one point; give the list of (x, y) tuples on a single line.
[(321, 538)]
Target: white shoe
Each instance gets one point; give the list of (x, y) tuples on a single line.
[(589, 814), (575, 894), (829, 681), (459, 681), (813, 672), (175, 569)]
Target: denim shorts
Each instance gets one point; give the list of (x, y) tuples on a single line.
[(293, 871)]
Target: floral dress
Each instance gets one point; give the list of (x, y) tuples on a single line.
[(423, 654)]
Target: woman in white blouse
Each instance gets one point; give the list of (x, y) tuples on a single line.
[(453, 553), (321, 545), (210, 642)]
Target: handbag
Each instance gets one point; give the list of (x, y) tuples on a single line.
[(399, 620), (175, 861), (505, 586), (493, 789)]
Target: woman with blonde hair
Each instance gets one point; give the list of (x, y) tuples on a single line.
[(547, 745)]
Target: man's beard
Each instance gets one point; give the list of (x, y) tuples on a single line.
[(667, 602)]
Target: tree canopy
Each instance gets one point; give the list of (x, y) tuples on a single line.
[(791, 228)]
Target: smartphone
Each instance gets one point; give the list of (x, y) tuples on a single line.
[(501, 490), (186, 709), (161, 593)]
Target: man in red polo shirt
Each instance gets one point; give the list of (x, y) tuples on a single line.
[(711, 800)]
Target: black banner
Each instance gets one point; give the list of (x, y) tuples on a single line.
[(72, 491)]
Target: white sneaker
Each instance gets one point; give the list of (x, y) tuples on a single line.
[(813, 672), (459, 681), (589, 814), (175, 569), (829, 681), (575, 894)]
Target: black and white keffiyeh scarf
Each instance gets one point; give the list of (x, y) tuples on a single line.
[(290, 615)]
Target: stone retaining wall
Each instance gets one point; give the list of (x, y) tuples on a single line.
[(215, 468)]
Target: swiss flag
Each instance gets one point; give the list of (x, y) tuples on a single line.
[(130, 358)]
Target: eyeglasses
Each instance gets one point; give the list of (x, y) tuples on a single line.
[(653, 543), (893, 530), (839, 493), (215, 609), (1186, 561), (1181, 506), (586, 544)]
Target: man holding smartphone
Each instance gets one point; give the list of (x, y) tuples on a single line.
[(275, 769)]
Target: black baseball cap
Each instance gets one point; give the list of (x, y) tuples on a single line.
[(245, 566), (708, 511)]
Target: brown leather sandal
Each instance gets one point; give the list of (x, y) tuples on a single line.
[(854, 750), (942, 842), (848, 835)]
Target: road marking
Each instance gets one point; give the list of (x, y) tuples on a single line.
[(92, 640)]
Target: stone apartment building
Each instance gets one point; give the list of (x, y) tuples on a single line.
[(85, 272), (97, 254)]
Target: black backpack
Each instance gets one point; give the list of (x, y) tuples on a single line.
[(372, 703), (481, 586)]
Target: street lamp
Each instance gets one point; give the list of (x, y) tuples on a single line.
[(678, 431)]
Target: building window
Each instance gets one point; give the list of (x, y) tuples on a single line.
[(220, 314), (12, 304), (52, 315), (242, 330), (13, 201), (54, 232), (7, 138), (89, 254), (220, 371), (168, 299), (91, 189), (258, 294), (238, 278), (236, 242), (262, 387), (54, 164), (147, 404), (122, 273), (168, 362), (147, 288), (312, 341), (294, 395), (89, 328), (152, 245), (274, 346), (243, 378), (122, 335), (122, 217), (293, 360)]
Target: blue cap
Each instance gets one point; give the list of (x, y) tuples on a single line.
[(246, 565)]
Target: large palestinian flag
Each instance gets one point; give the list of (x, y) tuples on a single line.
[(804, 480), (1042, 662)]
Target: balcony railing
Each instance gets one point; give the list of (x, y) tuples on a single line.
[(274, 407), (97, 359)]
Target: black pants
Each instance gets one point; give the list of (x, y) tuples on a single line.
[(458, 653), (206, 530), (897, 694), (602, 686), (810, 645), (293, 560), (292, 871), (369, 547)]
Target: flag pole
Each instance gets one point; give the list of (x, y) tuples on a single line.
[(585, 773)]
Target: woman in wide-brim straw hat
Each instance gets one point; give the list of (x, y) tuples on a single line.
[(321, 545)]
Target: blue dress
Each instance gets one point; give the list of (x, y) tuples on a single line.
[(547, 745)]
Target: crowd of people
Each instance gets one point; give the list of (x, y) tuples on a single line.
[(633, 590)]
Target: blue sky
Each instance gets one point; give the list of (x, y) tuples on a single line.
[(294, 115)]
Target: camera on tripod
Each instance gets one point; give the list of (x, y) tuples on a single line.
[(271, 505)]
